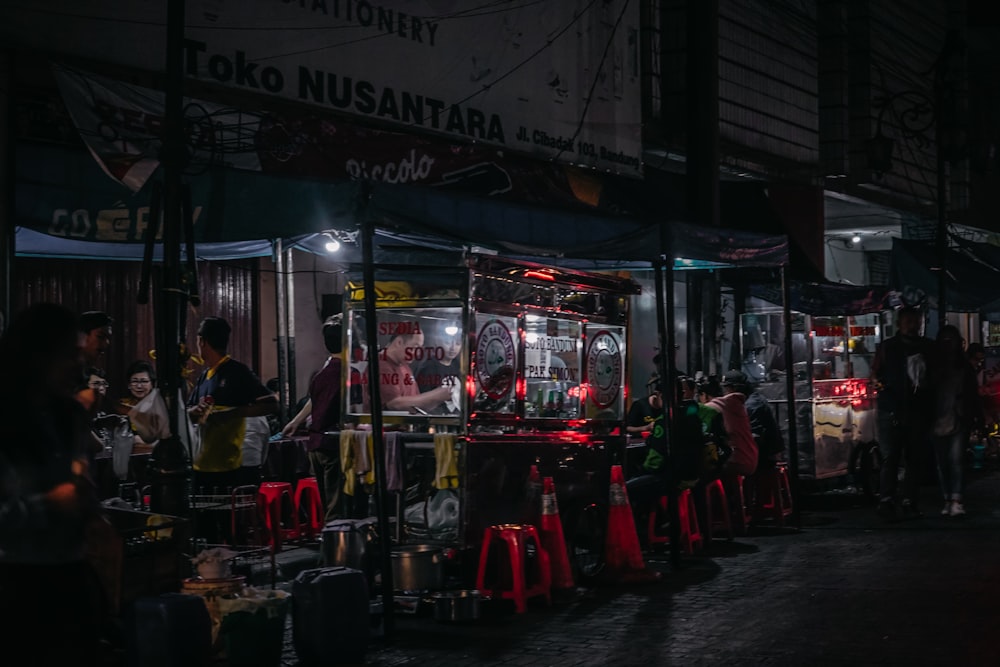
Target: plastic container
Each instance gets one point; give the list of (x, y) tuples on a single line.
[(172, 630), (330, 616), (253, 627)]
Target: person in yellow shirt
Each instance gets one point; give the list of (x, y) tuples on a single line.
[(226, 393)]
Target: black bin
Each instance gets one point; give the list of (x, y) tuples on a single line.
[(330, 616), (172, 630)]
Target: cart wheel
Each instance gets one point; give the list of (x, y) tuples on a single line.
[(871, 469), (585, 541)]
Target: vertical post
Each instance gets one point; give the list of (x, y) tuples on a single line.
[(169, 462), (7, 241), (375, 394), (942, 211), (666, 369), (281, 312), (289, 281), (793, 442)]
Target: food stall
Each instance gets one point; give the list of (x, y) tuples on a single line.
[(532, 360), (831, 366)]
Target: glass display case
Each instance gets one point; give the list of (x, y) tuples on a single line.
[(831, 364)]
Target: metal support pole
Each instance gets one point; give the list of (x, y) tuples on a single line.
[(281, 313), (169, 462), (375, 394), (942, 216), (293, 391), (667, 368), (793, 443)]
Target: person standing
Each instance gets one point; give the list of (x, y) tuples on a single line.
[(444, 368), (322, 411), (904, 402), (95, 327), (397, 382), (47, 502), (956, 404), (226, 393)]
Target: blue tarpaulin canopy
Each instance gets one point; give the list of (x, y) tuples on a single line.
[(67, 206)]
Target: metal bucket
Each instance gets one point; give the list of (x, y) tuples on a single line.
[(417, 567), (345, 542), (457, 606)]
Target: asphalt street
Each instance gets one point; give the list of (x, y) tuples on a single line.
[(848, 588)]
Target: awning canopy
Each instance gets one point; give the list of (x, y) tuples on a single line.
[(972, 282), (63, 195), (827, 298)]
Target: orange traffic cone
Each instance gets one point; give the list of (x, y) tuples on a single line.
[(552, 538), (532, 495), (622, 553)]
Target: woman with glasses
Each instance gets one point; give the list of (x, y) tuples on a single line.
[(141, 380)]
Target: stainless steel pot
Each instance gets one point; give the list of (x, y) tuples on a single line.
[(345, 542), (457, 606), (417, 567)]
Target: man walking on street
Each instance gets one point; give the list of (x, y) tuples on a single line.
[(899, 372)]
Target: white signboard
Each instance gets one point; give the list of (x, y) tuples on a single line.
[(558, 80)]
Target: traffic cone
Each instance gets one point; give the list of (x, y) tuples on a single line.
[(532, 497), (622, 553), (551, 535)]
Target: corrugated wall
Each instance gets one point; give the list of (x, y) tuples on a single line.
[(227, 289)]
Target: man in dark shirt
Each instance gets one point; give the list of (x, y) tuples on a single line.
[(324, 408), (899, 372)]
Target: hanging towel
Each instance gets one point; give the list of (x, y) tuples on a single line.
[(347, 460), (363, 455), (393, 462), (446, 463)]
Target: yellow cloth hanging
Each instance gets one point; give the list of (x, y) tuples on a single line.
[(446, 461), (347, 460)]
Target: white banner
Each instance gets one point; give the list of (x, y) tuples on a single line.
[(557, 80)]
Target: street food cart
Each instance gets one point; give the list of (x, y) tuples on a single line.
[(831, 366), (534, 361)]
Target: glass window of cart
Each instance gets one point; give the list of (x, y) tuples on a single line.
[(421, 361), (845, 345), (604, 364), (494, 364), (553, 380)]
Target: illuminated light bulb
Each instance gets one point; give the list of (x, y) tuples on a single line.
[(855, 239), (332, 245), (451, 329)]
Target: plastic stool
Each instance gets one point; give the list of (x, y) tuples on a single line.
[(512, 539), (773, 494), (272, 496), (308, 490), (742, 511), (717, 503), (690, 531)]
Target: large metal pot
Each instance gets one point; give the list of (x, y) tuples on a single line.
[(457, 606), (345, 542), (417, 567)]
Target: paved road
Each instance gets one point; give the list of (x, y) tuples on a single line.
[(848, 589)]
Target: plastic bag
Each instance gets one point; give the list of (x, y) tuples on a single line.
[(149, 417), (121, 450)]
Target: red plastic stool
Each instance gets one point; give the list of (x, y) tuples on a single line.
[(717, 514), (307, 490), (509, 542), (690, 530), (273, 496), (774, 494), (743, 510)]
